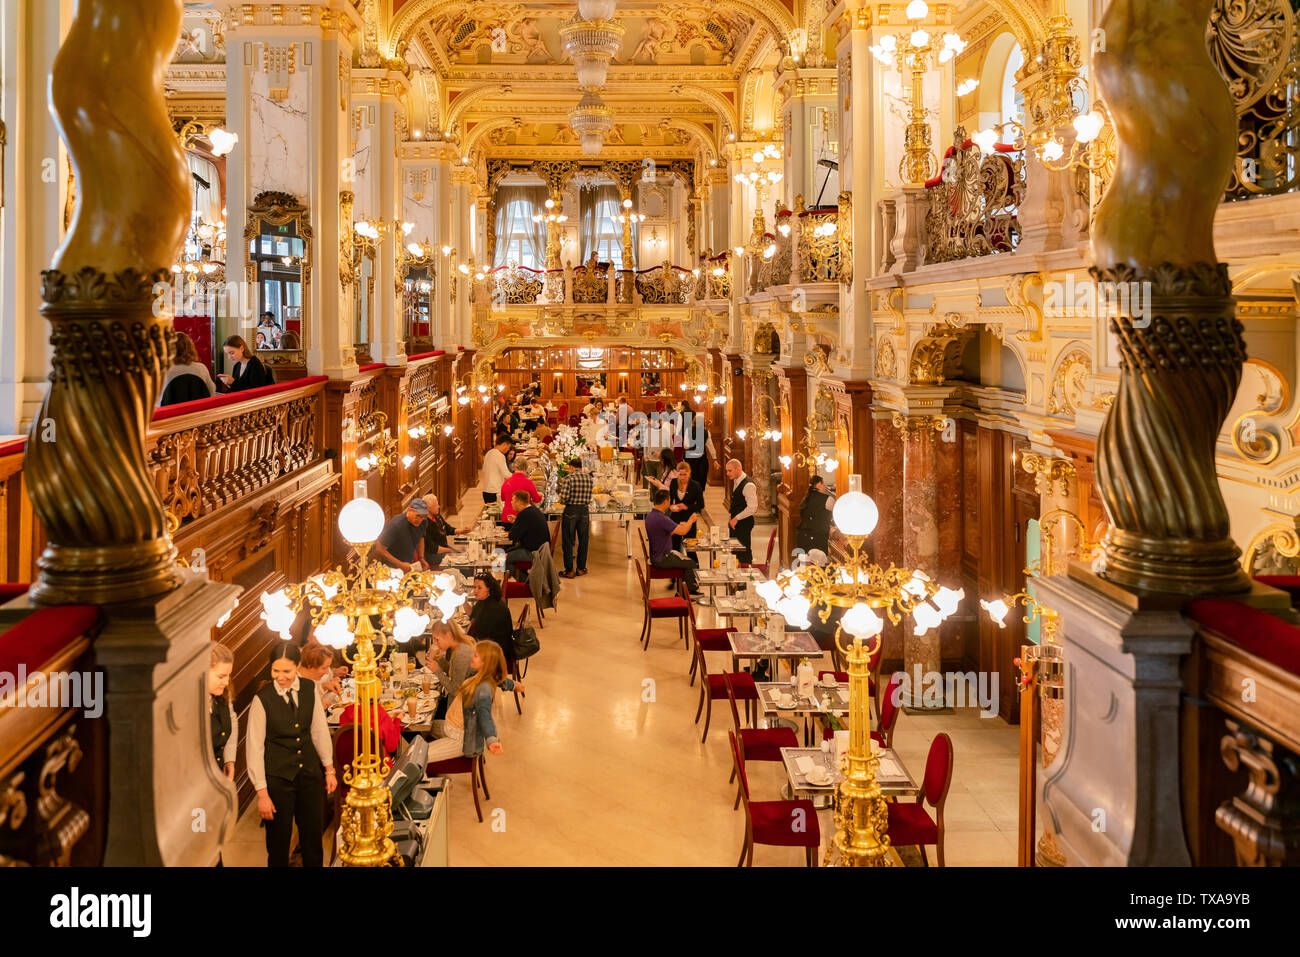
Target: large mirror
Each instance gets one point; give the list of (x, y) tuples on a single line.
[(417, 283), (279, 269)]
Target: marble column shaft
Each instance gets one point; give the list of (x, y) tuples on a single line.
[(921, 540), (887, 491)]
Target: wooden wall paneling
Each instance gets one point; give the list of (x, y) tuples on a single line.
[(20, 533), (854, 447)]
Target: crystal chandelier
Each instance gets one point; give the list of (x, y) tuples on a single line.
[(592, 43), (591, 119), (861, 589)]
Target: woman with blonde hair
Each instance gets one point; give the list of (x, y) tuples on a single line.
[(221, 709), (317, 665), (469, 727), (455, 649)]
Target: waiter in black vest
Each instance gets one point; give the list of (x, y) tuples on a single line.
[(288, 747), (744, 505)]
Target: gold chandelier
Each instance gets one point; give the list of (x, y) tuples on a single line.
[(862, 589), (1092, 144), (913, 54), (344, 606)]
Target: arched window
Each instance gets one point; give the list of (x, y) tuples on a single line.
[(1013, 102)]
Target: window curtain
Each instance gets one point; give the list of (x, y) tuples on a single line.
[(601, 232), (516, 206), (206, 204)]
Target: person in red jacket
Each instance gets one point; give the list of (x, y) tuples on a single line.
[(517, 482), (390, 736)]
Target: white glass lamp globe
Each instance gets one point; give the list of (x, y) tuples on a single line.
[(333, 632), (597, 9), (361, 521), (854, 512), (861, 622)]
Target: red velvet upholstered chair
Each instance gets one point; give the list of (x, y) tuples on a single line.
[(911, 824), (463, 765), (707, 639), (775, 823), (677, 606), (657, 574), (715, 687), (758, 744)]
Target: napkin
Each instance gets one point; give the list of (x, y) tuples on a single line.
[(804, 764), (889, 768)]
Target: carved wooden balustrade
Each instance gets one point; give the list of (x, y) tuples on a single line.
[(819, 244), (1240, 755), (201, 463), (974, 202)]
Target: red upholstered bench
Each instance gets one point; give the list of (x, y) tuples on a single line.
[(1252, 630), (43, 634)]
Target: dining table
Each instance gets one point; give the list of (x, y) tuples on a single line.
[(728, 578), (891, 774)]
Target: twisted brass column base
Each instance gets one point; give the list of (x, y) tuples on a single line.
[(1181, 355), (105, 574), (1173, 566), (107, 538)]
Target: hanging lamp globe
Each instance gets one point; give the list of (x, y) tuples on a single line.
[(592, 43), (597, 9)]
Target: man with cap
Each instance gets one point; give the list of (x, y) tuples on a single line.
[(401, 543)]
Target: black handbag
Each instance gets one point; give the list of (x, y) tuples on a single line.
[(526, 643)]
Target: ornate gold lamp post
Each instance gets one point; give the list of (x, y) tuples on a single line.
[(912, 53), (864, 590), (344, 607)]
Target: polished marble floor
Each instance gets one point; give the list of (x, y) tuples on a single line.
[(605, 766)]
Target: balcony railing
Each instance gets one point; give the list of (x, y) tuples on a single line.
[(973, 203), (819, 244), (664, 285)]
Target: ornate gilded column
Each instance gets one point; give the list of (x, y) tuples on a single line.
[(1113, 791), (108, 542), (1181, 364)]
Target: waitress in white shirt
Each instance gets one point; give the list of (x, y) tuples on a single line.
[(289, 751)]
